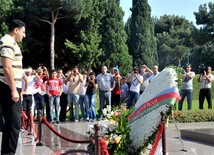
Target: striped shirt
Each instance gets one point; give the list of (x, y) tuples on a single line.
[(10, 49)]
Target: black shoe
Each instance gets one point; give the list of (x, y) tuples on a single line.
[(57, 122)]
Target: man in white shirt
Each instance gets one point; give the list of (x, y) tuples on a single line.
[(206, 80), (135, 80), (155, 73)]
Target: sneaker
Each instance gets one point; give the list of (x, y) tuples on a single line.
[(76, 120), (22, 130), (82, 119), (57, 122), (87, 119), (101, 118), (52, 122)]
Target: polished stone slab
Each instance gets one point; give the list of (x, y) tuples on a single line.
[(54, 145), (201, 135)]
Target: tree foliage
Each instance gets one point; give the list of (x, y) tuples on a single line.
[(205, 17), (141, 42), (114, 38), (87, 50), (174, 39), (91, 33), (5, 11), (50, 11)]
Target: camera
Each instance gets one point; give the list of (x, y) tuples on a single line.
[(201, 68), (136, 70)]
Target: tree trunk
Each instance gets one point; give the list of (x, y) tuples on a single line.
[(52, 42), (179, 62)]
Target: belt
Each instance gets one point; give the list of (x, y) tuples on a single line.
[(104, 91), (27, 95)]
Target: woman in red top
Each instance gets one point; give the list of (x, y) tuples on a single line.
[(116, 92)]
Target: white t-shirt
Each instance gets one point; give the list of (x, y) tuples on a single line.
[(205, 83), (153, 76), (30, 89), (82, 88), (65, 87), (135, 85)]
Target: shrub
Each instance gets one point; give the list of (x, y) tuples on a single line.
[(193, 116)]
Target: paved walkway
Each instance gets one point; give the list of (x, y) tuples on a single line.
[(53, 145), (175, 145)]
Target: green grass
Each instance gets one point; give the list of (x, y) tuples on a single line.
[(195, 105)]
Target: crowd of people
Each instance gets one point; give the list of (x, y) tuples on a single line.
[(77, 90)]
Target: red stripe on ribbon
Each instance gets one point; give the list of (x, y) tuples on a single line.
[(154, 101), (157, 139)]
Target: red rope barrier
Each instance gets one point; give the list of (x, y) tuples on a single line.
[(32, 127), (103, 145), (158, 137), (28, 122), (24, 119), (61, 136)]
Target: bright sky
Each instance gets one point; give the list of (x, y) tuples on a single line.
[(170, 7)]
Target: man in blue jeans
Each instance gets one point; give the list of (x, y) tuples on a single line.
[(74, 79), (135, 80), (106, 84), (187, 87), (11, 74)]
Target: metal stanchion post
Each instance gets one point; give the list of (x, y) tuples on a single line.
[(163, 133), (97, 139), (40, 129)]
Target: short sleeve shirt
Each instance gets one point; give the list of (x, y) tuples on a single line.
[(187, 81), (10, 49)]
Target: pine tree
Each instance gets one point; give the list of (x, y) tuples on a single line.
[(141, 42), (114, 38)]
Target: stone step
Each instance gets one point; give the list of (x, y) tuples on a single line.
[(202, 135)]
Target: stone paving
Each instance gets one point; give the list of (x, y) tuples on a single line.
[(53, 145)]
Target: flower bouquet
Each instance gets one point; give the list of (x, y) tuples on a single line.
[(114, 131)]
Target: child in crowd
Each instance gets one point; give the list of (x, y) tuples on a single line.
[(124, 91)]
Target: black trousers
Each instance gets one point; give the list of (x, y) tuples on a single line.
[(205, 93), (115, 100), (63, 105), (27, 103), (12, 116)]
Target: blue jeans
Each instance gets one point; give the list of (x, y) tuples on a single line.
[(133, 96), (185, 93), (39, 102), (92, 105), (73, 99), (84, 106), (104, 96), (54, 102)]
